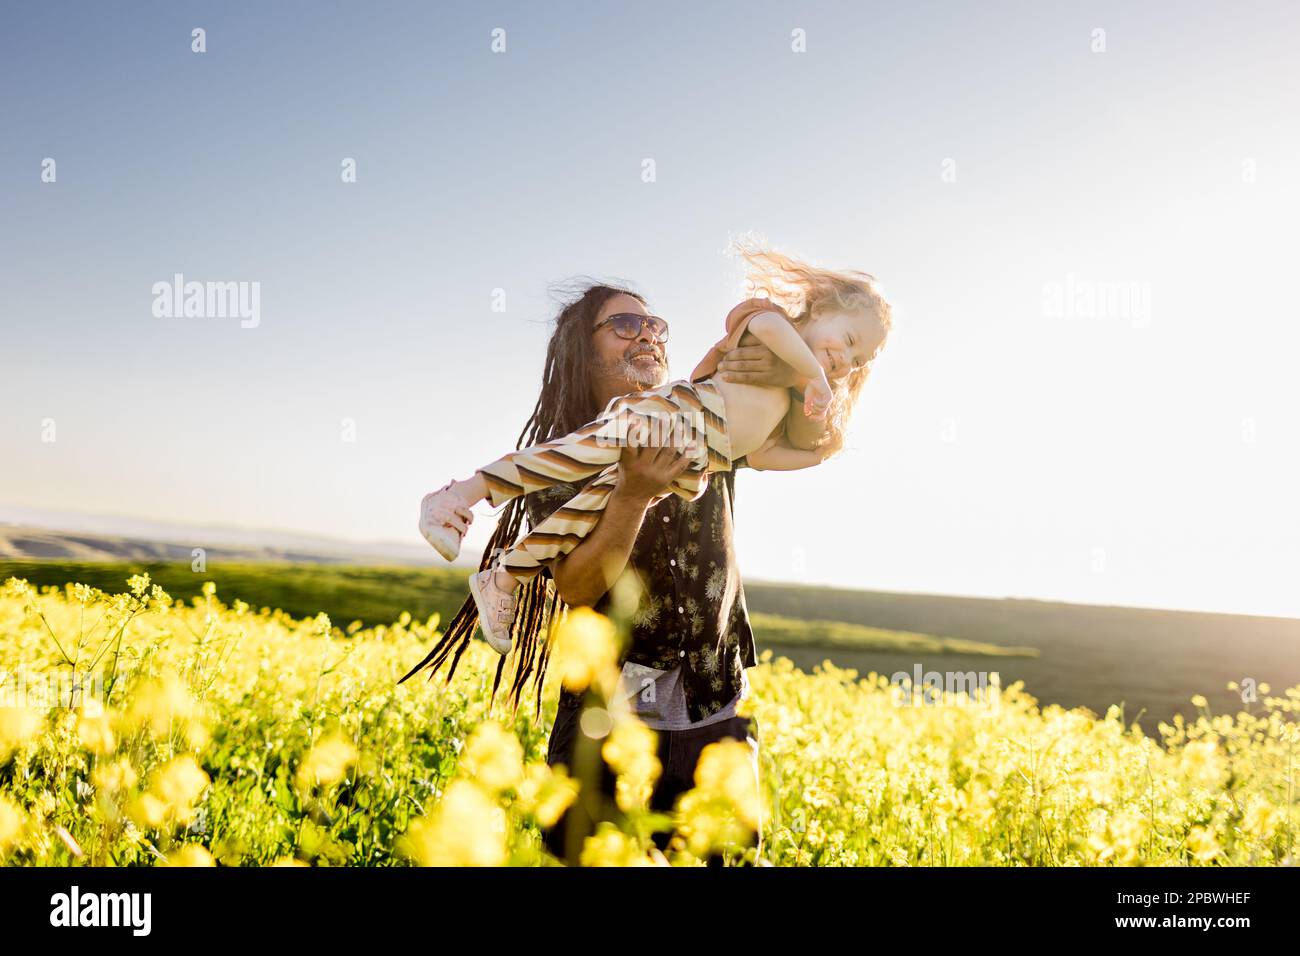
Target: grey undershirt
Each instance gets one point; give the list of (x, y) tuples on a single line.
[(660, 701)]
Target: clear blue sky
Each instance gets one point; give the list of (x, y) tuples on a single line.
[(1002, 447)]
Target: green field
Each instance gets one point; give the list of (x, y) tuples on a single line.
[(379, 595)]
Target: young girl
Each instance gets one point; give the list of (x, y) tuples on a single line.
[(836, 324)]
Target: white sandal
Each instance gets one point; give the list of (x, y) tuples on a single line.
[(436, 510), (496, 609)]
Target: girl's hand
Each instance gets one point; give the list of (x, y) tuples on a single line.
[(817, 399)]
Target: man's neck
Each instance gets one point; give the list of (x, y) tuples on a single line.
[(610, 391)]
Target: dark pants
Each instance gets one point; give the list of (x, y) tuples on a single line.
[(679, 751)]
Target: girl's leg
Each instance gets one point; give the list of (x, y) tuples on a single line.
[(670, 410), (495, 588), (577, 455), (627, 419), (569, 524), (560, 533)]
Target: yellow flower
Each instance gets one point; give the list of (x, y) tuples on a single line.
[(1118, 836), (1202, 843), (160, 703), (17, 726), (466, 828), (113, 777), (12, 822), (724, 808), (726, 768), (705, 820), (288, 861), (1203, 762), (609, 846), (632, 751), (327, 762), (192, 854), (96, 733), (179, 784), (545, 792), (147, 811), (586, 650), (493, 757), (1260, 819), (196, 735)]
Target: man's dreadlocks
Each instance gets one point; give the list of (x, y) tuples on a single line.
[(566, 403)]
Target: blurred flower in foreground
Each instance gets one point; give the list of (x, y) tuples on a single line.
[(1260, 819), (632, 751), (147, 811), (327, 762), (1202, 843), (1203, 763), (17, 726), (95, 731), (727, 767), (175, 788), (545, 793), (493, 757), (161, 704), (115, 776), (724, 808), (466, 828), (1117, 836), (610, 846), (190, 855), (12, 821), (179, 785), (586, 651)]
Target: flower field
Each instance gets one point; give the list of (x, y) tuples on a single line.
[(136, 729)]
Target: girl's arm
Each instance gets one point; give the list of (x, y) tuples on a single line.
[(775, 331), (782, 456), (802, 431)]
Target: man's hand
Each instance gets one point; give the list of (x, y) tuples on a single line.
[(757, 365), (645, 472), (587, 572)]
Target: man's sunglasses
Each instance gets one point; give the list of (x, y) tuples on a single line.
[(628, 325)]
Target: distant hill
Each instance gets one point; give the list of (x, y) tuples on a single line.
[(20, 541), (1146, 659)]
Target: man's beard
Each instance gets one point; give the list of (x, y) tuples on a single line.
[(637, 374)]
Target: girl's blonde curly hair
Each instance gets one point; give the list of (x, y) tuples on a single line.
[(805, 291)]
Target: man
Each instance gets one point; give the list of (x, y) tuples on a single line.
[(691, 640)]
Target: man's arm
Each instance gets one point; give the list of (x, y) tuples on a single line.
[(586, 573), (757, 365)]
